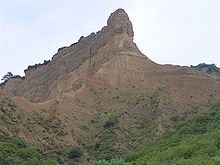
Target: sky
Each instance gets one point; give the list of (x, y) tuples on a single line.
[(179, 32)]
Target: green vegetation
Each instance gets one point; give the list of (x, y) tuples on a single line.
[(110, 122), (50, 162), (111, 162), (196, 141), (75, 152), (14, 152), (155, 97), (101, 141)]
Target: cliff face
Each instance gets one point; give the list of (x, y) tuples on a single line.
[(104, 76), (39, 79), (110, 59)]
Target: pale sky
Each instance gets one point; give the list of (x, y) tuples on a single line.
[(180, 32)]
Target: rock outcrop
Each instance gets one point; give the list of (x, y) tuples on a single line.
[(40, 78), (207, 68)]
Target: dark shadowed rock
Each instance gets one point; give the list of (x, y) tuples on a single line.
[(207, 68)]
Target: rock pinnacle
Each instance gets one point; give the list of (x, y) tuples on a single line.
[(119, 22)]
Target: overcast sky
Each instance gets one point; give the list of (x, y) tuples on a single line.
[(181, 32)]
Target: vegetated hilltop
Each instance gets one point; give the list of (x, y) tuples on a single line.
[(102, 95)]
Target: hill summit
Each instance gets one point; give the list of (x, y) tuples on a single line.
[(119, 22)]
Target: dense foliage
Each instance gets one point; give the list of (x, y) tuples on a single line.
[(196, 141), (13, 152)]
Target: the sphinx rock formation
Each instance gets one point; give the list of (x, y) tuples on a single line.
[(105, 76), (42, 81)]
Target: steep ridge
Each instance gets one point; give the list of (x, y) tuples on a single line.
[(103, 95), (42, 79)]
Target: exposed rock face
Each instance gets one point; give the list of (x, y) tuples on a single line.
[(39, 79), (119, 22), (108, 57)]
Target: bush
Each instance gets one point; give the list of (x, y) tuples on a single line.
[(8, 148), (111, 162), (50, 162), (27, 153), (75, 152), (110, 123), (101, 162), (200, 124), (32, 161)]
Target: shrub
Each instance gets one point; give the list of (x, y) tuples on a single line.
[(75, 152), (50, 162), (200, 124), (101, 162), (111, 122), (32, 161), (111, 162), (27, 153)]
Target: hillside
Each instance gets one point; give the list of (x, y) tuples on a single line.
[(102, 96), (196, 141)]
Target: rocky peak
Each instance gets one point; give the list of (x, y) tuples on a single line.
[(119, 22), (41, 79)]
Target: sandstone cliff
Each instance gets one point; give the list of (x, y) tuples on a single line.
[(41, 80), (102, 77)]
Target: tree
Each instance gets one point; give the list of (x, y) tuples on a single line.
[(7, 77)]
